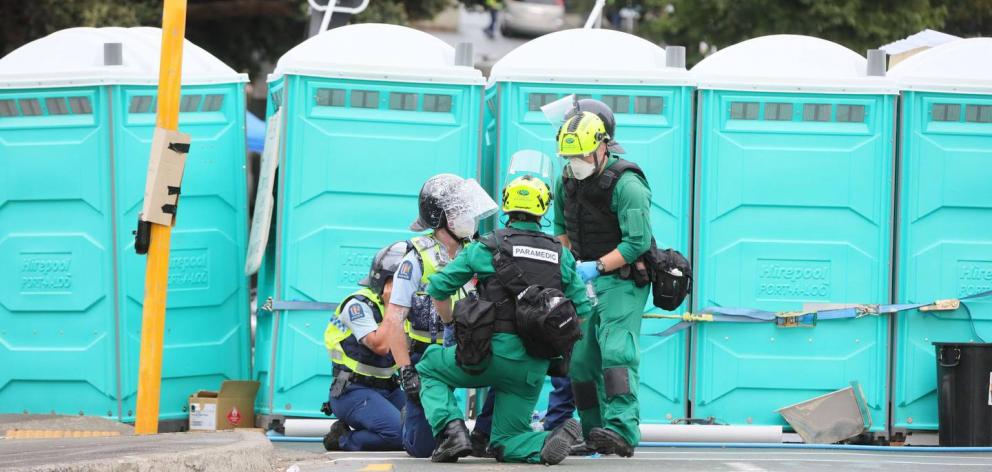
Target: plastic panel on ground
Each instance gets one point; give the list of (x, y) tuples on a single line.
[(57, 345), (791, 211), (206, 327), (658, 139), (266, 282), (945, 243)]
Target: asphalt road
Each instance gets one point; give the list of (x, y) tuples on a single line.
[(313, 459)]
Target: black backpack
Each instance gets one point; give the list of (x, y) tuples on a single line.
[(474, 321), (546, 320), (671, 277)]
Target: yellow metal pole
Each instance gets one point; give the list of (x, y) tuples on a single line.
[(157, 270)]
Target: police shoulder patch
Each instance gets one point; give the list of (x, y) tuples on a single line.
[(405, 271), (355, 312)]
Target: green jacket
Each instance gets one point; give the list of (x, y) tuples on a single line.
[(632, 205), (477, 259)]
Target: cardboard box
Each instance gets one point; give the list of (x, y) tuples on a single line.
[(233, 407)]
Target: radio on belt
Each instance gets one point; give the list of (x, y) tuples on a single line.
[(165, 176)]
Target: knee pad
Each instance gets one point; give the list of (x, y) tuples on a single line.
[(617, 381), (585, 395)]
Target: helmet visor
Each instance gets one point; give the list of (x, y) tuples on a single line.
[(530, 162), (559, 110), (465, 205), (468, 199)]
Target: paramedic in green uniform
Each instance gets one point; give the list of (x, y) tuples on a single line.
[(603, 216), (516, 375)]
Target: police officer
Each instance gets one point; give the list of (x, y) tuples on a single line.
[(449, 208), (603, 216), (514, 373), (365, 396)]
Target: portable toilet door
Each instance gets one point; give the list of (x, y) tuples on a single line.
[(76, 146), (369, 113), (794, 184), (653, 107), (945, 235), (207, 338)]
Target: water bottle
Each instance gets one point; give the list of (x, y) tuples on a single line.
[(591, 293)]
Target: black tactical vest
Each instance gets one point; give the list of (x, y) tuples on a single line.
[(535, 259), (358, 351), (592, 228)]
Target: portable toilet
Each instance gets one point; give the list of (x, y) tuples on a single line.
[(652, 103), (369, 112), (77, 112), (944, 239), (794, 184)]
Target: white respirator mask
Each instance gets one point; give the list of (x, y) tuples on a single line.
[(581, 169), (462, 226)]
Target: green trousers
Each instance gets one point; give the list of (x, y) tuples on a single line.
[(610, 340), (517, 378)]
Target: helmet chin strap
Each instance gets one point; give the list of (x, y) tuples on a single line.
[(596, 161)]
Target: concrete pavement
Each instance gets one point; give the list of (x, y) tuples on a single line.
[(310, 459), (247, 451)]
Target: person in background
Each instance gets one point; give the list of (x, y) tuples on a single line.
[(493, 7)]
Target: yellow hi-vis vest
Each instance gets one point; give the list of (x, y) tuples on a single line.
[(337, 332), (432, 257)]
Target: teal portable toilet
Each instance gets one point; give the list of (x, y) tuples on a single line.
[(793, 189), (652, 102), (369, 112), (77, 112), (945, 209)]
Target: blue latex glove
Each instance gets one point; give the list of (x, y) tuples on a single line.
[(587, 270)]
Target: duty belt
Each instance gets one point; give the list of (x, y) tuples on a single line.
[(425, 337), (363, 369), (371, 382)]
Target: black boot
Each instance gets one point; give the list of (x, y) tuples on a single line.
[(609, 442), (332, 440), (558, 444), (453, 442), (582, 448), (480, 444)]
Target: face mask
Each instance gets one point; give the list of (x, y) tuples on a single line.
[(462, 226), (580, 168)]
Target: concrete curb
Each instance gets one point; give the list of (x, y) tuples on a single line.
[(251, 452)]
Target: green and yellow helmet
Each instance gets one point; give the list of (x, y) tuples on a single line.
[(581, 135), (526, 194)]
